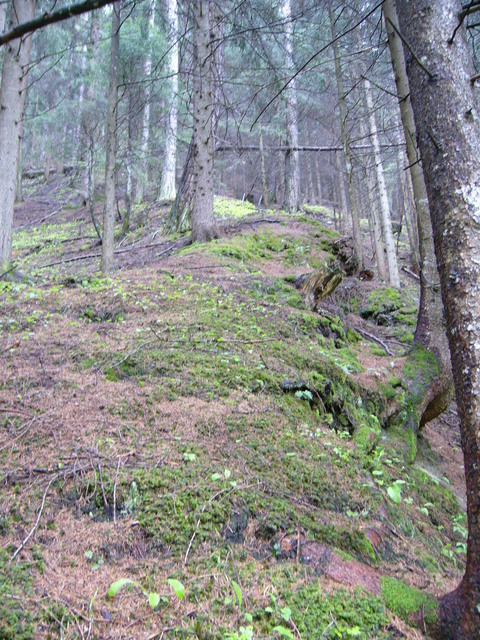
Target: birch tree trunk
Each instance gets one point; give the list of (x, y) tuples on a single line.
[(167, 185), (342, 105), (394, 277), (445, 104), (12, 103), (204, 226), (292, 160), (111, 145)]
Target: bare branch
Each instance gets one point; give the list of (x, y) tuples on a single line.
[(49, 18)]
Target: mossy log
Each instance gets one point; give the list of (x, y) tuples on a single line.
[(317, 285)]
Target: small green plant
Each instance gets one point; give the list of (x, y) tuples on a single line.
[(152, 597), (394, 491), (96, 561), (244, 633)]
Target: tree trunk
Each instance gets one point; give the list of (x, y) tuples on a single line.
[(343, 212), (262, 170), (374, 217), (319, 181), (410, 209), (445, 106), (393, 274), (292, 160), (376, 224), (342, 105), (412, 219), (180, 215), (142, 173), (111, 144), (167, 185), (87, 107), (430, 331), (12, 103), (204, 226), (127, 216), (3, 16)]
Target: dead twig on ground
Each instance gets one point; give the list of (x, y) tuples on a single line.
[(37, 521), (11, 346), (375, 339)]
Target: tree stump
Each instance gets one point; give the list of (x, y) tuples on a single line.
[(317, 285)]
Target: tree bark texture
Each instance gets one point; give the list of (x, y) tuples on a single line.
[(393, 274), (3, 16), (111, 145), (352, 194), (292, 157), (142, 173), (204, 226), (12, 103), (430, 331), (445, 103), (168, 184), (262, 170)]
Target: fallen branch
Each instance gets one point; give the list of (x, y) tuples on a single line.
[(35, 526), (411, 273), (372, 337), (11, 346), (17, 412), (35, 223), (89, 256)]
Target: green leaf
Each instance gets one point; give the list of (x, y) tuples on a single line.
[(119, 584), (286, 613), (395, 493), (216, 476), (238, 592), (283, 631), (178, 587), (153, 600)]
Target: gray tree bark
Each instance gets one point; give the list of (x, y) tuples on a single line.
[(12, 103), (111, 145), (168, 184), (342, 105), (262, 170), (445, 103), (430, 317), (3, 16), (142, 173), (393, 275), (204, 226), (291, 200), (430, 330)]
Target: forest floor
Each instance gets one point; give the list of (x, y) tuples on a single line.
[(187, 451)]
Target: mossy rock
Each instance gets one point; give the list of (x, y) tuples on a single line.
[(387, 307)]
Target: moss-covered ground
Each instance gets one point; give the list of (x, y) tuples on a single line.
[(178, 423)]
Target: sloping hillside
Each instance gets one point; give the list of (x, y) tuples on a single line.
[(190, 433)]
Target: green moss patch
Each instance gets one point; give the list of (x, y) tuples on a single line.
[(406, 601), (386, 306), (16, 621)]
